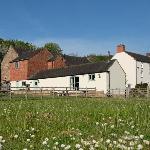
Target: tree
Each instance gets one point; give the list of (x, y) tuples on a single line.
[(5, 44), (53, 47)]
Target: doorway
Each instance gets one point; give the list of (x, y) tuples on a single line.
[(74, 83)]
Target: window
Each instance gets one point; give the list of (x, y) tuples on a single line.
[(16, 65), (36, 83), (23, 83), (91, 77), (142, 66)]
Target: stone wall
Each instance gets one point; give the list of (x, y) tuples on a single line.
[(5, 66)]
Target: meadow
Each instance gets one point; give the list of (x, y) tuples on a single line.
[(75, 124)]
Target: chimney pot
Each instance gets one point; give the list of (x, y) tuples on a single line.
[(148, 54), (120, 48)]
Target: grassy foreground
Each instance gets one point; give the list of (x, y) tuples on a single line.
[(70, 123)]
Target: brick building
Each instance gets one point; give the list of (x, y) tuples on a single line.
[(21, 65), (11, 54)]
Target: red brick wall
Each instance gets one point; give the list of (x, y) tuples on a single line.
[(19, 73), (38, 62), (59, 62), (50, 64)]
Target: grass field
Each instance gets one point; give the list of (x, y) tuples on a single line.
[(70, 123)]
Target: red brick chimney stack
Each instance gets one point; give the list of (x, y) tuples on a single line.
[(120, 48)]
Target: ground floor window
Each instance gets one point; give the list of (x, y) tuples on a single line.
[(23, 83), (74, 82), (91, 77)]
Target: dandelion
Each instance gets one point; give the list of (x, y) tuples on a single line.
[(32, 136), (114, 142), (28, 140), (32, 129), (67, 147), (97, 123), (46, 139), (131, 143), (62, 145), (16, 136), (44, 143), (141, 136), (77, 145), (146, 142), (3, 141), (108, 141), (140, 147), (112, 126)]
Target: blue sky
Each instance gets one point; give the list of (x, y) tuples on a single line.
[(78, 26)]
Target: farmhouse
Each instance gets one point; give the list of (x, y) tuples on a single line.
[(19, 64), (136, 66), (101, 75)]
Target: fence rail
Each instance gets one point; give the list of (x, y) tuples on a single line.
[(67, 91), (50, 91)]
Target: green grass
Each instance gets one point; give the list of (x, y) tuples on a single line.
[(86, 123)]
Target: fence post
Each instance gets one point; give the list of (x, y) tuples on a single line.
[(76, 91), (53, 92), (95, 91), (26, 93), (86, 92), (10, 94), (41, 93), (147, 91)]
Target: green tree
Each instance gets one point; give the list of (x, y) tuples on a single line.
[(53, 47)]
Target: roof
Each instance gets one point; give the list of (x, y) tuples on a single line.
[(74, 70), (27, 55), (20, 51), (74, 60), (139, 57)]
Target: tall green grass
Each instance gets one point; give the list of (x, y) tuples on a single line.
[(70, 123)]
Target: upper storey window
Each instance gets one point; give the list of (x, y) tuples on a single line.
[(17, 65)]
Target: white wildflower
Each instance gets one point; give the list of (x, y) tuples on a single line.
[(32, 136), (108, 141), (56, 143), (62, 145), (141, 136), (44, 143), (46, 139), (77, 145), (112, 126), (146, 142), (97, 123), (67, 147), (28, 140), (16, 136), (140, 147)]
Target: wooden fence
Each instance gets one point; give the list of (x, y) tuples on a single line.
[(52, 91), (135, 92)]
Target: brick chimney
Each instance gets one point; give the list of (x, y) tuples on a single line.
[(148, 54), (120, 48)]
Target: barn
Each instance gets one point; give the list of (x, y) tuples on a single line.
[(103, 76)]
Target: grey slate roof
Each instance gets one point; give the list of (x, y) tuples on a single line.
[(74, 70), (74, 60), (25, 55), (139, 57)]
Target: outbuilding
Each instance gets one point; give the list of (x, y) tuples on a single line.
[(103, 76)]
